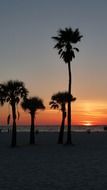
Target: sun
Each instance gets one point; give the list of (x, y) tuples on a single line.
[(87, 123)]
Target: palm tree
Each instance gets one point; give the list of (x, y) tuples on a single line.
[(58, 101), (32, 104), (2, 96), (12, 92), (64, 44)]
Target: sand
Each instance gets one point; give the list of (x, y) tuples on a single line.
[(47, 165)]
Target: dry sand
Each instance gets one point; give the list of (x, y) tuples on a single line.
[(47, 165)]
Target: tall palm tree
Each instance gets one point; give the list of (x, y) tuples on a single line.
[(58, 101), (64, 44), (12, 92), (32, 104)]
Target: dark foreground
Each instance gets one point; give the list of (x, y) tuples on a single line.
[(47, 165)]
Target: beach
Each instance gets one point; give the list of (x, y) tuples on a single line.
[(47, 165)]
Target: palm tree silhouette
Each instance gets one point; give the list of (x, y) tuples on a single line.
[(64, 44), (12, 92), (58, 101), (32, 104)]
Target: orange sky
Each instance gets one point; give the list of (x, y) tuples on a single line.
[(84, 112)]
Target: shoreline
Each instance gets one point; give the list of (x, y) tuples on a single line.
[(56, 128)]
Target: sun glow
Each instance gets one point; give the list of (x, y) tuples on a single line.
[(87, 123)]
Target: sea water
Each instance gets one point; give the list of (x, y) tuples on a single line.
[(56, 128)]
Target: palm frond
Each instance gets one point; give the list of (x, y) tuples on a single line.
[(18, 115), (54, 104), (62, 97), (76, 49), (13, 91), (64, 41), (8, 119), (32, 104)]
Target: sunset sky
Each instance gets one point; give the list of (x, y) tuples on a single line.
[(27, 54)]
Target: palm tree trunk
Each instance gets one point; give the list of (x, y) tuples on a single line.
[(13, 143), (32, 137), (61, 133), (69, 139)]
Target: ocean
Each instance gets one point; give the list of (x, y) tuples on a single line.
[(56, 128)]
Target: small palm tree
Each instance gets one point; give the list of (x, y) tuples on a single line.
[(12, 92), (58, 101), (64, 44), (32, 104)]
